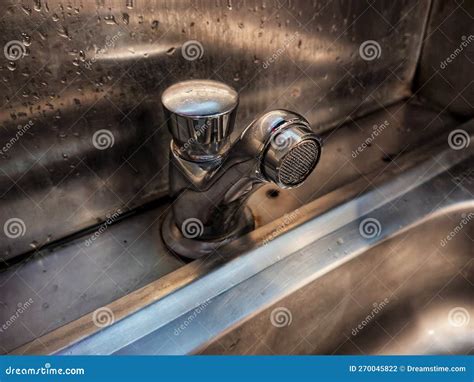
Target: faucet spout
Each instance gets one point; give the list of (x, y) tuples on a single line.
[(211, 178)]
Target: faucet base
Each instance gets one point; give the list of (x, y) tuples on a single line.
[(196, 248)]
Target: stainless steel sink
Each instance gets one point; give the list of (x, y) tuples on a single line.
[(381, 265)]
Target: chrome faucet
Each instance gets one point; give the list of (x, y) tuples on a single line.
[(211, 177)]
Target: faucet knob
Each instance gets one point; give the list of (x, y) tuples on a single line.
[(201, 116)]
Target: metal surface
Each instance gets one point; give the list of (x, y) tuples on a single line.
[(94, 66), (76, 298), (232, 295), (211, 188), (445, 71)]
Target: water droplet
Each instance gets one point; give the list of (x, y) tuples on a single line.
[(11, 66), (171, 51), (26, 10), (155, 24), (125, 18), (110, 20), (63, 32), (129, 4), (37, 5)]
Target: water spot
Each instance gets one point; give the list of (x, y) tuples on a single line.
[(340, 241), (34, 244), (129, 4), (11, 66), (171, 51), (273, 193), (45, 305), (155, 24)]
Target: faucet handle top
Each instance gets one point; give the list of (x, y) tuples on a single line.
[(201, 116), (200, 98)]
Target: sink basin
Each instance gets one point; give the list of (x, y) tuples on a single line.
[(381, 265), (407, 295)]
